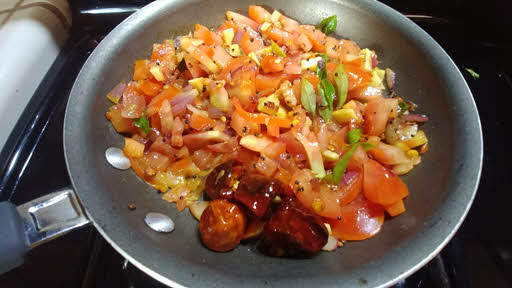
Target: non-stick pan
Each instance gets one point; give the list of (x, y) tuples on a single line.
[(442, 187)]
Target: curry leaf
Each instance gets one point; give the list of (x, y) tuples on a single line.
[(339, 169), (367, 146), (328, 25), (328, 92), (276, 49), (353, 136), (341, 82), (142, 122), (325, 113), (403, 107), (308, 96), (473, 73), (322, 73)]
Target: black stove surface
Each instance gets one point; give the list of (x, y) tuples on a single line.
[(480, 254)]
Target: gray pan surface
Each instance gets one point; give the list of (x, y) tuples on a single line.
[(442, 187)]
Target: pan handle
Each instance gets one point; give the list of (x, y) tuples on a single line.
[(36, 222)]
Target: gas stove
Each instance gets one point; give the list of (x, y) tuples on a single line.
[(479, 255)]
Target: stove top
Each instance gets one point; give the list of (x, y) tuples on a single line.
[(479, 255)]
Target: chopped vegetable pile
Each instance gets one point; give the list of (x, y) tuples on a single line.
[(285, 129)]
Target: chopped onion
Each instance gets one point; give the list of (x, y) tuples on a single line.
[(375, 62), (332, 244), (117, 92), (179, 102), (197, 208), (415, 118), (390, 78), (239, 34)]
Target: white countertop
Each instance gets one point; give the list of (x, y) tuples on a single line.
[(32, 33)]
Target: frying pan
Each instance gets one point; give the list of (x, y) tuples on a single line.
[(442, 186)]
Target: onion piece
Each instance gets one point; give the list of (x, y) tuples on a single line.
[(117, 92), (180, 101), (415, 118), (331, 245), (197, 208), (390, 78), (239, 34)]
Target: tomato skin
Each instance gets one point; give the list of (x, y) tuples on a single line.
[(204, 34), (222, 226), (315, 194), (243, 86), (316, 37), (251, 43), (121, 124), (133, 102), (376, 117), (156, 102), (242, 20), (141, 70), (360, 219), (350, 187), (271, 64), (382, 186), (259, 14), (269, 82)]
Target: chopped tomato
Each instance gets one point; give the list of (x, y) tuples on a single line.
[(360, 219), (199, 55), (315, 194), (395, 209), (201, 122), (241, 20), (364, 93), (350, 187), (221, 56), (271, 64), (166, 117), (289, 24), (121, 124), (269, 82), (376, 115), (316, 37), (204, 34), (150, 88), (141, 70), (233, 66), (259, 14), (251, 44), (341, 49), (389, 154), (242, 85), (156, 102), (242, 126), (207, 50), (133, 102), (193, 66), (260, 118), (382, 186)]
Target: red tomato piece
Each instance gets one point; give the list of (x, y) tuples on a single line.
[(360, 219), (271, 64), (382, 186), (241, 20), (315, 194), (259, 14), (204, 34), (133, 102), (251, 44)]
